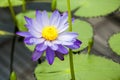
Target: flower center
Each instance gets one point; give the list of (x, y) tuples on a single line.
[(49, 33)]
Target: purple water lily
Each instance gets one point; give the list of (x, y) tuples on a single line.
[(49, 35)]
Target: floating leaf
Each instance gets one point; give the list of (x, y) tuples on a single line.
[(4, 3), (90, 8), (114, 43), (87, 67), (85, 32)]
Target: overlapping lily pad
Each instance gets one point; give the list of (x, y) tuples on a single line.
[(4, 3), (87, 67), (90, 8), (114, 43)]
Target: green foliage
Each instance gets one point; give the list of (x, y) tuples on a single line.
[(4, 3), (90, 8), (114, 43), (13, 76), (87, 67)]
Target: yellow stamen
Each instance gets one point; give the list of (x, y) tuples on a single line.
[(49, 33)]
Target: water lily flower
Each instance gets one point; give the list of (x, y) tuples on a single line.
[(49, 35)]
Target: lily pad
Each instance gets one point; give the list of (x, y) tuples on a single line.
[(85, 31), (90, 8), (114, 43), (4, 3), (87, 67)]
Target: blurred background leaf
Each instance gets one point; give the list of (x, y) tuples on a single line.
[(4, 3), (114, 43), (90, 8), (87, 67)]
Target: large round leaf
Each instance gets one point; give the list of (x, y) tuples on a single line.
[(114, 43), (4, 3), (90, 8), (85, 32), (87, 67)]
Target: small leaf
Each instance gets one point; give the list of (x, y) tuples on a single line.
[(87, 67), (114, 43), (13, 76), (4, 3), (85, 32)]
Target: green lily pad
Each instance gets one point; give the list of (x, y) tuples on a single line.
[(90, 8), (4, 3), (87, 67), (85, 32), (114, 43)]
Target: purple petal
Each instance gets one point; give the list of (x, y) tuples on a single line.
[(76, 44), (59, 55), (41, 47), (50, 55), (62, 49), (28, 20), (27, 41), (39, 18), (24, 34), (67, 43), (51, 45), (32, 40), (68, 36), (62, 27), (45, 18), (36, 55), (55, 18)]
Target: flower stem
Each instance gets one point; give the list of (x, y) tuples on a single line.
[(14, 37), (70, 51), (24, 6), (12, 12)]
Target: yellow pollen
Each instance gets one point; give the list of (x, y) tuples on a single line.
[(49, 33)]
